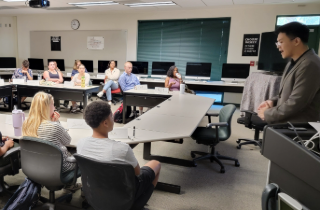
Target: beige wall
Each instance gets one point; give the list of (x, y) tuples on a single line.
[(8, 37)]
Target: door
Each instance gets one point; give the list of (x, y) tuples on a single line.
[(314, 37)]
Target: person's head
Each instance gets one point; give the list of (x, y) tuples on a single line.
[(128, 67), (82, 69), (76, 64), (173, 70), (52, 65), (56, 64), (42, 108), (98, 116), (25, 64), (292, 39), (112, 64)]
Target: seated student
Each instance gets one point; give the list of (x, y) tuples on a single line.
[(22, 72), (43, 122), (173, 79), (98, 116), (77, 82), (6, 145), (112, 76), (128, 81)]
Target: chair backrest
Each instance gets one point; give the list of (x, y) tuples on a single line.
[(225, 115), (41, 161), (107, 185)]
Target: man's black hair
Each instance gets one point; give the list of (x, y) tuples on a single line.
[(96, 112), (294, 30), (170, 71)]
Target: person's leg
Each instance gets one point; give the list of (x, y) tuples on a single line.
[(109, 96), (112, 86), (105, 88), (23, 99), (155, 166), (141, 110), (57, 103)]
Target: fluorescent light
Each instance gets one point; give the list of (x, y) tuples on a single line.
[(152, 4), (97, 3), (13, 0)]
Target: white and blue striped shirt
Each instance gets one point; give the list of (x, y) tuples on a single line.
[(127, 82)]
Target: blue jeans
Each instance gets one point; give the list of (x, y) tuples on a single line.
[(110, 85)]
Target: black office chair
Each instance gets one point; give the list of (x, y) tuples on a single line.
[(253, 121), (110, 185), (212, 136), (41, 162)]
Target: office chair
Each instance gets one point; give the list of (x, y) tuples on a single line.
[(212, 136), (253, 121), (12, 168), (110, 185), (115, 92), (41, 162)]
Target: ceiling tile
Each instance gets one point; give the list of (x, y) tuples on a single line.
[(217, 2), (190, 3), (248, 1)]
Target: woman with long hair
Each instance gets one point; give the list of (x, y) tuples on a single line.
[(173, 79)]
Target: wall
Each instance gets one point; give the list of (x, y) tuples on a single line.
[(8, 37)]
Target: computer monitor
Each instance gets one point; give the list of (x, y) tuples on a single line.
[(36, 63), (7, 62), (159, 69), (198, 70), (235, 71), (140, 67), (103, 65), (60, 63), (88, 64)]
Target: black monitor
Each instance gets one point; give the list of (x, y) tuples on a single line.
[(198, 70), (140, 67), (7, 62), (60, 63), (88, 64), (36, 63), (270, 58), (235, 71), (104, 65), (161, 68)]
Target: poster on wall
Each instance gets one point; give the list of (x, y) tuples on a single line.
[(55, 43), (95, 42), (250, 44)]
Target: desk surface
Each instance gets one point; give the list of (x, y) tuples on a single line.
[(56, 86)]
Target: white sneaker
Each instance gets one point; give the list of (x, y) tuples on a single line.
[(100, 94), (109, 103)]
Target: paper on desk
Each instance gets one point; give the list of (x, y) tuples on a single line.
[(141, 87), (315, 125), (9, 119), (77, 124), (1, 81), (118, 133)]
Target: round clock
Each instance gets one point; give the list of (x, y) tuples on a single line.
[(75, 24)]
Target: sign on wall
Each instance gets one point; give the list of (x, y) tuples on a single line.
[(250, 44), (55, 43), (95, 42)]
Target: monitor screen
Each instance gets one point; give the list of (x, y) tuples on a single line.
[(270, 58), (139, 67), (88, 64), (235, 70), (198, 69), (60, 63), (36, 63), (104, 65), (161, 68), (7, 62)]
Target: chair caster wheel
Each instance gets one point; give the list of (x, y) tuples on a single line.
[(238, 141), (222, 170), (193, 155), (238, 147), (194, 164), (237, 164)]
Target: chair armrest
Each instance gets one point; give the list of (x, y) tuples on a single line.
[(249, 112), (11, 151), (14, 155), (219, 124), (71, 159), (212, 114)]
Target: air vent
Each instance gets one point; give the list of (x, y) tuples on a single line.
[(5, 7), (65, 8)]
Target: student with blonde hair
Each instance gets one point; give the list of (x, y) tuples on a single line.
[(43, 122)]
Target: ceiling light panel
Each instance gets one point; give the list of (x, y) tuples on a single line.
[(152, 4)]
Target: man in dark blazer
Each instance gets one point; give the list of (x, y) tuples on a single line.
[(299, 95)]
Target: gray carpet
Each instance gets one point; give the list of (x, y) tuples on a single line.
[(203, 187)]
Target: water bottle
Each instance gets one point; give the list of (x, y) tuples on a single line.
[(39, 76), (83, 82)]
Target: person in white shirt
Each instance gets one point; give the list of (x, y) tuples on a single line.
[(111, 81), (99, 117)]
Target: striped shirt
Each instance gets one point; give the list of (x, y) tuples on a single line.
[(56, 134), (127, 82), (19, 75)]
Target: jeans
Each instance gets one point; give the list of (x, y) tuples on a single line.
[(110, 85)]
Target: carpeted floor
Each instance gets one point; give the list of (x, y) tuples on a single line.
[(203, 187)]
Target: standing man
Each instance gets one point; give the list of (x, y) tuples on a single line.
[(299, 95)]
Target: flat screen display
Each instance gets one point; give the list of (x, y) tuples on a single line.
[(88, 64), (60, 63), (139, 67), (36, 63), (235, 70), (104, 65), (7, 62), (198, 69), (161, 68)]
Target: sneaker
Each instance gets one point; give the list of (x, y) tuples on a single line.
[(72, 188), (66, 104), (109, 103), (74, 109), (100, 94)]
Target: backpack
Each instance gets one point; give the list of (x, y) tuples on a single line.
[(25, 197), (117, 116)]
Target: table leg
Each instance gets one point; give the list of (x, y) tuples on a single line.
[(19, 100), (124, 110), (11, 103), (85, 100)]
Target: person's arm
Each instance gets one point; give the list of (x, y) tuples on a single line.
[(60, 77), (166, 82), (137, 170), (74, 79), (62, 134), (304, 90), (30, 77), (14, 74), (87, 76), (115, 75), (130, 158), (136, 80), (122, 83), (47, 75), (7, 145), (106, 74)]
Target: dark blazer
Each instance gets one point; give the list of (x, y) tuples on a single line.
[(299, 95)]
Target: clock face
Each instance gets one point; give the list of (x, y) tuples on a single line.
[(75, 24)]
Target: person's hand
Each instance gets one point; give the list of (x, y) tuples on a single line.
[(261, 112), (4, 138), (55, 116), (268, 104), (24, 71), (9, 143), (106, 77)]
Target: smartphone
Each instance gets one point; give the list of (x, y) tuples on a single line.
[(297, 129)]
